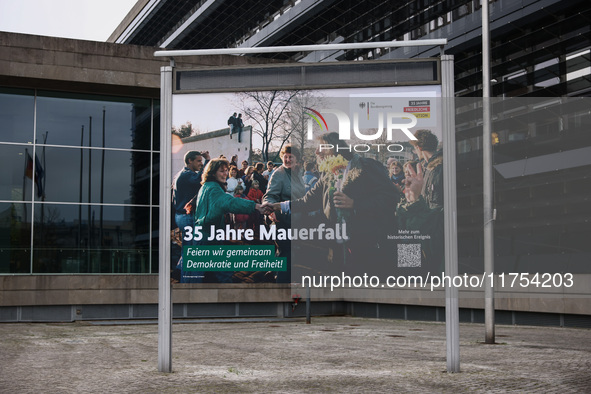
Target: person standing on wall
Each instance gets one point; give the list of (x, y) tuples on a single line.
[(239, 127), (232, 123)]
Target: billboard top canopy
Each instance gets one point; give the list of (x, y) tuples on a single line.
[(301, 48), (407, 72)]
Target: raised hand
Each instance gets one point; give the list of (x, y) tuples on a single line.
[(413, 183)]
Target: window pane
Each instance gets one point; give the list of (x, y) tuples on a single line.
[(114, 240), (16, 162), (16, 115), (15, 238), (71, 119), (115, 177)]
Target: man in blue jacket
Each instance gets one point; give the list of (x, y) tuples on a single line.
[(185, 186)]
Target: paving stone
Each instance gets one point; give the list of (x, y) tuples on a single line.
[(333, 354)]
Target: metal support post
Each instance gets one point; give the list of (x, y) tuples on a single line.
[(487, 190), (452, 310), (164, 287)]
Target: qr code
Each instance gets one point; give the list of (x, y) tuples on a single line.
[(409, 255)]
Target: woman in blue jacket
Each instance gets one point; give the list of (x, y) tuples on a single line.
[(212, 205)]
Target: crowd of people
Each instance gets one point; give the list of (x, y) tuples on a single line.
[(374, 201)]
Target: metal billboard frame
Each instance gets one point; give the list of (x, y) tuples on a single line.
[(446, 78)]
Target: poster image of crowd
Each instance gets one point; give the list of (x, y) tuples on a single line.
[(269, 186)]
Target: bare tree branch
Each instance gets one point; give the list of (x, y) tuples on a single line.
[(267, 113)]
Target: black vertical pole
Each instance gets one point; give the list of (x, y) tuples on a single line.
[(102, 189), (80, 193), (44, 166), (89, 243), (44, 178)]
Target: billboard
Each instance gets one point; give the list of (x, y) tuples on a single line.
[(356, 193)]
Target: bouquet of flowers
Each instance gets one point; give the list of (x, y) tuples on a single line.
[(335, 165)]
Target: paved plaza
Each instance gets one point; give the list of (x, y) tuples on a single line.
[(333, 354)]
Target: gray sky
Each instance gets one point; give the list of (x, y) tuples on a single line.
[(93, 20)]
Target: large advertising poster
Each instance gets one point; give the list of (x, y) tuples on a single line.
[(307, 185)]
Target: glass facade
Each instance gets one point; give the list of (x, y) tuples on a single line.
[(541, 167), (77, 184)]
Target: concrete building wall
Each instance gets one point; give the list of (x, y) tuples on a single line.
[(92, 67), (88, 297)]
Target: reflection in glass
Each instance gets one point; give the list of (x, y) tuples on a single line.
[(115, 177), (15, 238), (17, 175), (87, 154), (541, 185), (97, 121), (16, 115), (91, 239)]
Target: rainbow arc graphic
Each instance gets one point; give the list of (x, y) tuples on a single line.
[(317, 117)]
